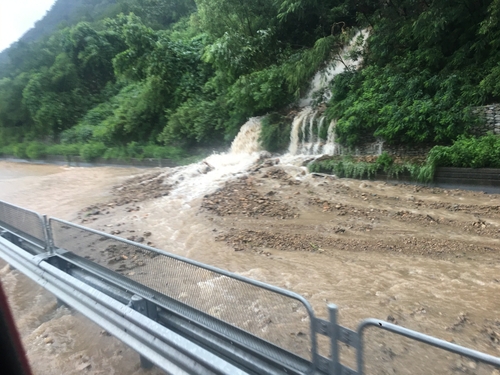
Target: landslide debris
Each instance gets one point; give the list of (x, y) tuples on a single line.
[(241, 197), (262, 241), (134, 190), (141, 188)]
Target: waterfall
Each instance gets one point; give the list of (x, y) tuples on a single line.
[(303, 139), (310, 143), (330, 147), (247, 140), (339, 64), (297, 125), (317, 146)]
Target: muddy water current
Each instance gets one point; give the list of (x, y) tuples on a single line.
[(453, 298)]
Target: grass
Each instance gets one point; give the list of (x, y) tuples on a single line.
[(95, 150), (348, 166)]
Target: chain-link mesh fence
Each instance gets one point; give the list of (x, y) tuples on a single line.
[(25, 223), (277, 318)]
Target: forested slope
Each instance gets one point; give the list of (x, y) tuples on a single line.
[(133, 74)]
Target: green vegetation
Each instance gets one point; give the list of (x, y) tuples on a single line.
[(275, 133), (135, 78), (94, 150), (466, 152), (349, 167)]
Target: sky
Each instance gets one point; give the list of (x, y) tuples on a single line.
[(18, 16)]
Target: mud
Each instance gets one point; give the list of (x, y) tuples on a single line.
[(425, 258)]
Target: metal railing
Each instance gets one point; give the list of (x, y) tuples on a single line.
[(26, 224), (185, 316)]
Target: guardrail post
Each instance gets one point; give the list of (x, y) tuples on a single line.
[(48, 233), (333, 334), (140, 305)]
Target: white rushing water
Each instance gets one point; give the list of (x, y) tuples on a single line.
[(310, 135), (198, 179), (339, 64), (307, 126)]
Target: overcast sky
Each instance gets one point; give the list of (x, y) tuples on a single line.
[(18, 16)]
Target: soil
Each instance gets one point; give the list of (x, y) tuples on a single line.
[(323, 213), (422, 257)]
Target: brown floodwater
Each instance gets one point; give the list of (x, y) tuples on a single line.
[(456, 300)]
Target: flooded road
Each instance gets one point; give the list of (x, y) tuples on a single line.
[(56, 339), (368, 247)]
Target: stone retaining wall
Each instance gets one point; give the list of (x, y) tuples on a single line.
[(491, 115)]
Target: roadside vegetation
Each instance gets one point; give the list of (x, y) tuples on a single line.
[(466, 152)]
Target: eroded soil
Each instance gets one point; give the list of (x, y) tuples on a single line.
[(421, 257)]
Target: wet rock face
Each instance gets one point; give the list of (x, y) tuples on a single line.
[(240, 197)]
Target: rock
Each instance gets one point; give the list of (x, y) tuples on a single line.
[(48, 340), (83, 366), (205, 167), (472, 365)]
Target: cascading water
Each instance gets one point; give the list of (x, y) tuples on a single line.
[(309, 122), (197, 179), (247, 140)]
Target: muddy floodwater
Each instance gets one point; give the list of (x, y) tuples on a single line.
[(425, 258)]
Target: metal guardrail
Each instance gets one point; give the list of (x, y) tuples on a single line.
[(26, 224), (184, 316)]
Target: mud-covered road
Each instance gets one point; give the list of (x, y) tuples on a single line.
[(424, 258)]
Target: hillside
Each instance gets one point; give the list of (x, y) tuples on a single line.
[(162, 76)]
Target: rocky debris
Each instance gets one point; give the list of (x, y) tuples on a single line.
[(278, 173), (241, 198), (392, 319), (134, 190), (249, 239), (141, 188), (491, 330), (205, 167), (124, 257), (245, 239), (460, 322), (266, 163)]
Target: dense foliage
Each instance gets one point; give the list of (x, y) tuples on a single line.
[(349, 167), (128, 74), (426, 64)]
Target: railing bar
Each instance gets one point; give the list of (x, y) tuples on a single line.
[(426, 339), (280, 291)]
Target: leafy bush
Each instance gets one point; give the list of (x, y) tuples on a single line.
[(19, 150), (275, 133), (67, 150), (92, 151), (466, 152), (36, 150), (164, 152), (351, 168), (385, 161), (77, 134), (7, 150)]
